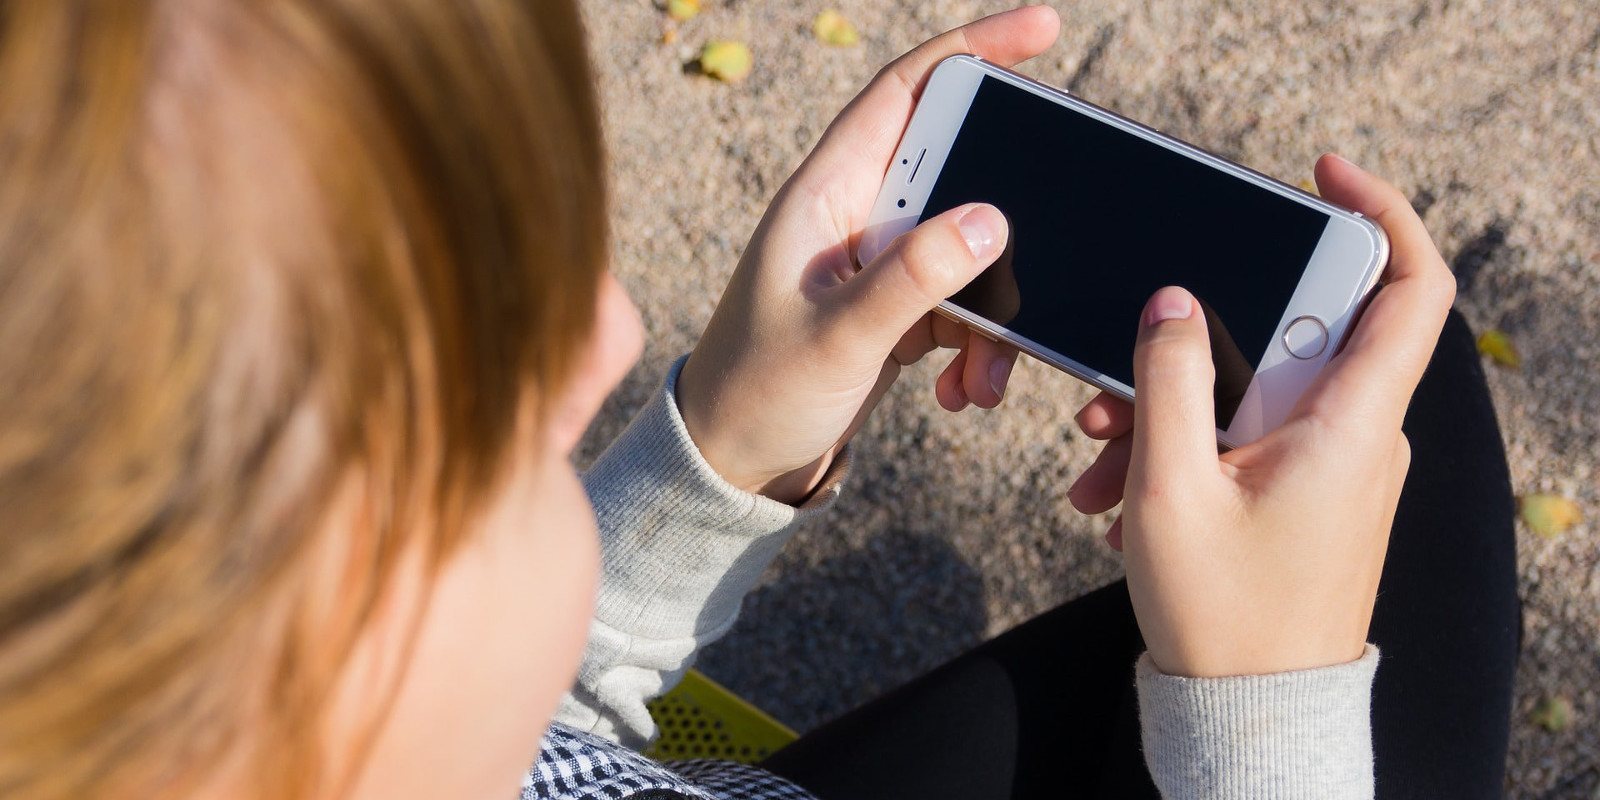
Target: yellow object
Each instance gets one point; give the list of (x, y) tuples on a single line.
[(701, 719), (1497, 345), (1549, 514), (831, 27), (682, 10), (729, 62)]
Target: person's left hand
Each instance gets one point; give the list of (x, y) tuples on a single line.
[(802, 345)]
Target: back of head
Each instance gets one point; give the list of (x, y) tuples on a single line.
[(251, 250)]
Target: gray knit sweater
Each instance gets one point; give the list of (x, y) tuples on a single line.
[(681, 548)]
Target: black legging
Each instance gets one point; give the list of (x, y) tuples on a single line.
[(1048, 709)]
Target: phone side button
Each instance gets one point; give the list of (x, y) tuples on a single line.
[(1306, 338)]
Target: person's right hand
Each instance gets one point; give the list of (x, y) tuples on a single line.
[(805, 341), (1267, 558)]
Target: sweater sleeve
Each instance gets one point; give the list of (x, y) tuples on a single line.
[(680, 548), (1293, 734)]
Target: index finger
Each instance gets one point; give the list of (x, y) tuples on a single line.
[(1384, 358), (865, 134)]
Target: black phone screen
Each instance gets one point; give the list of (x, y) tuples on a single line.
[(1101, 219)]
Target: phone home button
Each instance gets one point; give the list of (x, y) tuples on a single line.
[(1306, 338)]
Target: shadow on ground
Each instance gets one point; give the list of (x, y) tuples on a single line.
[(845, 613)]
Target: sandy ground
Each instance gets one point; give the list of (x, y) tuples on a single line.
[(956, 527)]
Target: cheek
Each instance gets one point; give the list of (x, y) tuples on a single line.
[(542, 586), (567, 530), (497, 649)]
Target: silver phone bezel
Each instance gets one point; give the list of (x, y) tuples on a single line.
[(1343, 270)]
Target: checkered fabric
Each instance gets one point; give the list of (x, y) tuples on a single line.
[(574, 765)]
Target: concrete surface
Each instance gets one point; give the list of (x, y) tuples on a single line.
[(956, 527)]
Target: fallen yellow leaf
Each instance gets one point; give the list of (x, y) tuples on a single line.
[(831, 27), (1554, 714), (681, 10), (729, 62), (1497, 345), (1548, 514), (1310, 186)]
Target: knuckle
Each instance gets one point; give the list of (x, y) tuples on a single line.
[(1402, 455), (895, 72), (1444, 286), (1170, 359), (1392, 197), (925, 261), (1389, 197), (1435, 289), (1160, 495)]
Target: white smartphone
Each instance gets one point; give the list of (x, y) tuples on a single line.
[(1105, 211)]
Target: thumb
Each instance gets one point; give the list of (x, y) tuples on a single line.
[(1174, 424), (918, 270)]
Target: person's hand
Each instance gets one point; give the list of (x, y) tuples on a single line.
[(802, 345), (1267, 558)]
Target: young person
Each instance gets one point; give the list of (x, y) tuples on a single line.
[(303, 307)]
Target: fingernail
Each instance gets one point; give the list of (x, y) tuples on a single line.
[(1344, 160), (982, 227), (1170, 302), (999, 373)]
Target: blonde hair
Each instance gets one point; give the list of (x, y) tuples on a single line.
[(250, 248)]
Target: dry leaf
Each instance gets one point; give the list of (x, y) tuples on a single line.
[(681, 10), (1548, 514), (832, 28), (1554, 714), (1497, 345), (669, 35), (729, 62), (1310, 186)]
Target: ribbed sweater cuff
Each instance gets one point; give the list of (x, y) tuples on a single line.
[(681, 546), (1289, 735)]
